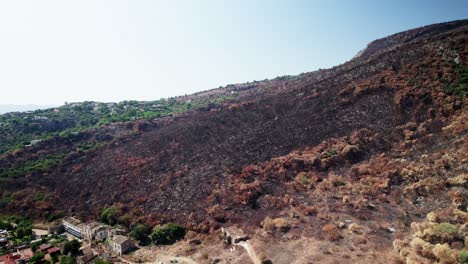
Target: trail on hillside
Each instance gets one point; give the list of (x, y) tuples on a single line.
[(253, 256)]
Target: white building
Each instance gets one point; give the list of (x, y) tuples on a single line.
[(73, 226)]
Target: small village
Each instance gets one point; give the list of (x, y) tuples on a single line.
[(67, 241)]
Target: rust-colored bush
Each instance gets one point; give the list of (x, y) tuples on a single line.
[(332, 232)]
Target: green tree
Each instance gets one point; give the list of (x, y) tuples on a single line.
[(23, 228), (167, 234), (140, 233), (37, 257), (108, 216), (72, 247)]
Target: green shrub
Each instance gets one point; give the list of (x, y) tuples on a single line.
[(37, 257), (140, 233), (304, 180), (463, 257), (167, 234), (445, 229)]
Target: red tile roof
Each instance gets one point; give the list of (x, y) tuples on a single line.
[(9, 258), (44, 247), (53, 250), (26, 253)]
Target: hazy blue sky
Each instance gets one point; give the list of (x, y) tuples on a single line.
[(57, 51)]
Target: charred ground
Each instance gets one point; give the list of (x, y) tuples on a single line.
[(332, 144)]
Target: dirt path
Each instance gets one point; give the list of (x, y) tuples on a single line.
[(253, 256), (164, 259)]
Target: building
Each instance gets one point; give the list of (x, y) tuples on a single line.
[(95, 231), (56, 227), (51, 252), (86, 258), (9, 259), (73, 226), (44, 247), (233, 235), (3, 236), (114, 231), (89, 256), (25, 253), (121, 244)]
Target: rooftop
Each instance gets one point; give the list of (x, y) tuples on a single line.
[(72, 220), (26, 253), (53, 250), (45, 247), (119, 239)]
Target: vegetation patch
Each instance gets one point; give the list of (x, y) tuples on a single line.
[(43, 164), (167, 234)]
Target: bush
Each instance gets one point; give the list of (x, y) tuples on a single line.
[(167, 234), (140, 233), (37, 257), (445, 229), (5, 225), (463, 257), (276, 224), (443, 253), (332, 232)]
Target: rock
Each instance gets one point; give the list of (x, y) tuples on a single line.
[(354, 227), (346, 199)]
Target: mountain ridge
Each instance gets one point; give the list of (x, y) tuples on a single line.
[(334, 144)]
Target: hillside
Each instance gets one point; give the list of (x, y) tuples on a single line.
[(346, 161)]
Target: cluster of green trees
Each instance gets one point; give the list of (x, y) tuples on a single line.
[(20, 228), (19, 128), (160, 235), (71, 247)]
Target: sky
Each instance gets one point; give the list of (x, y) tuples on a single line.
[(53, 52)]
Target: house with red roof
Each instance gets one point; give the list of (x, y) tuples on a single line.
[(44, 247), (9, 259), (25, 253)]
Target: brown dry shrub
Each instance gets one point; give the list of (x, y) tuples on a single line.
[(444, 254), (307, 210), (332, 232), (272, 224)]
